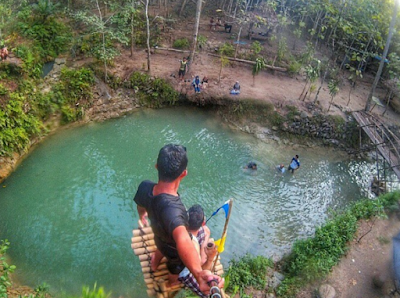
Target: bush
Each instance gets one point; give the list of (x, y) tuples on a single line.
[(153, 92), (227, 49), (75, 86), (201, 41), (312, 259), (5, 281), (247, 271), (181, 43)]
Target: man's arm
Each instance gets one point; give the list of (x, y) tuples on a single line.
[(190, 258)]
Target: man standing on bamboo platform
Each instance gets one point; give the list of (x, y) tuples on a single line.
[(168, 217)]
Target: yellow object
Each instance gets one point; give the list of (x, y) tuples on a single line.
[(220, 243)]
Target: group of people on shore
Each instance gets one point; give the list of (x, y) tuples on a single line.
[(198, 84), (293, 166), (180, 236)]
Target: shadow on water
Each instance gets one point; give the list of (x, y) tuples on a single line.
[(68, 209)]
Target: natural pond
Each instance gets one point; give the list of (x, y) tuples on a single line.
[(68, 211)]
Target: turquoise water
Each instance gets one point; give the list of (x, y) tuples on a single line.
[(68, 211)]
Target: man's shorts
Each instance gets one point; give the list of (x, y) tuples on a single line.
[(181, 72)]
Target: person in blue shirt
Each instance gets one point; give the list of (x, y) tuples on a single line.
[(196, 84), (294, 164)]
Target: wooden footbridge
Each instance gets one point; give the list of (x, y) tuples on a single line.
[(386, 143)]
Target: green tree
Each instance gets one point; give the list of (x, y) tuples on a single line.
[(312, 72), (225, 51), (333, 86), (260, 64), (101, 27)]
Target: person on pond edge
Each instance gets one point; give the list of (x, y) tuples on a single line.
[(161, 203), (182, 68), (196, 84)]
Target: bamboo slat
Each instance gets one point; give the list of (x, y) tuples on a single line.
[(151, 292), (157, 273), (146, 243), (136, 239), (148, 269), (146, 230), (140, 251), (147, 263)]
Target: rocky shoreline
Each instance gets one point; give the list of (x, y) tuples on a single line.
[(309, 129)]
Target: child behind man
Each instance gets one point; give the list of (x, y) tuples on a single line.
[(201, 237)]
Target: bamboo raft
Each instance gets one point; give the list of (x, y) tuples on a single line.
[(156, 282)]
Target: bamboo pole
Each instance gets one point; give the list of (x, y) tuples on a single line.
[(158, 273), (151, 292), (148, 269), (140, 251), (225, 229), (147, 243), (172, 50), (146, 230), (251, 62), (145, 237)]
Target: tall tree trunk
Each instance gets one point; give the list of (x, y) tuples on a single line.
[(304, 89), (182, 7), (132, 27), (333, 32), (103, 43), (238, 41), (196, 31), (229, 10), (148, 35), (330, 103), (388, 102), (322, 83), (385, 51)]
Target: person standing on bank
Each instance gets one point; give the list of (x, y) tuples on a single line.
[(182, 68), (294, 164), (161, 203)]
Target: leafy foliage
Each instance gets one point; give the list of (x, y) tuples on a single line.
[(49, 36), (7, 269), (153, 92), (227, 49), (248, 271), (181, 43)]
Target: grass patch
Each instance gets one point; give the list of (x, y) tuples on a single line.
[(247, 271)]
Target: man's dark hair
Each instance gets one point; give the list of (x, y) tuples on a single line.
[(196, 217), (297, 156), (171, 162)]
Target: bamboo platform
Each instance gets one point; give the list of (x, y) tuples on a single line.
[(143, 246), (384, 140)]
